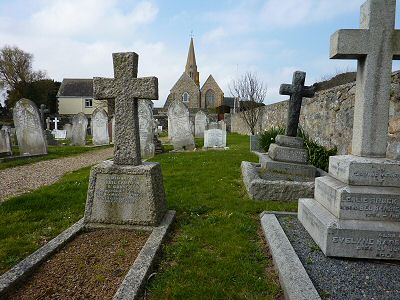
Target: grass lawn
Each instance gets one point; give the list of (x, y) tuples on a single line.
[(53, 152), (216, 251)]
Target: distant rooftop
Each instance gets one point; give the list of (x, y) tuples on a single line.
[(76, 88)]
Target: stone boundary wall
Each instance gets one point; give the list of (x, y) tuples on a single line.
[(328, 117)]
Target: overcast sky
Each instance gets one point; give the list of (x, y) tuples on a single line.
[(75, 38)]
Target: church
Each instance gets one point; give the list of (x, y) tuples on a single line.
[(187, 89)]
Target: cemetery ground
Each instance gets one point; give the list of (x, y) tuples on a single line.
[(216, 249)]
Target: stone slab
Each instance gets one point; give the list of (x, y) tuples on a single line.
[(274, 189), (349, 238), (289, 141), (289, 168), (286, 154), (130, 195), (358, 202), (23, 269), (355, 170), (294, 279), (137, 277)]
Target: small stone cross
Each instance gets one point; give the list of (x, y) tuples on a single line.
[(55, 121), (126, 88), (375, 45), (297, 91)]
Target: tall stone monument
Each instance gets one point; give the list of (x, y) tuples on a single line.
[(146, 128), (126, 191), (355, 211), (30, 135), (288, 154), (200, 122), (100, 127), (79, 129), (179, 127)]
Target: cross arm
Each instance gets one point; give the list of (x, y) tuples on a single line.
[(349, 44), (104, 88), (143, 88), (308, 92), (286, 89), (396, 45)]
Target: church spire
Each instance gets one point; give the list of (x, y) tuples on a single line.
[(191, 66)]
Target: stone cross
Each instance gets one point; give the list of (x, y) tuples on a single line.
[(126, 88), (55, 121), (43, 110), (375, 45), (48, 123), (297, 91)]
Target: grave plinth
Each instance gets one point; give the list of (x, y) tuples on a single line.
[(356, 209), (126, 191)]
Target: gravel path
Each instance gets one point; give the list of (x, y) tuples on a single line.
[(22, 179), (341, 278)]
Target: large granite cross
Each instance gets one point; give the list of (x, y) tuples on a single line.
[(296, 91), (126, 88), (375, 45)]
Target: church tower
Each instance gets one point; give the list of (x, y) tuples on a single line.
[(191, 66)]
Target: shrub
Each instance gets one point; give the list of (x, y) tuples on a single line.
[(268, 137), (318, 155)]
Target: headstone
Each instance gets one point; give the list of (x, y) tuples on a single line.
[(100, 127), (355, 211), (179, 127), (48, 121), (200, 122), (68, 129), (126, 191), (79, 128), (215, 135), (43, 111), (28, 127), (146, 130), (5, 141)]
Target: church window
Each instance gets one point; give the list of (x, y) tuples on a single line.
[(88, 103), (210, 99), (185, 97)]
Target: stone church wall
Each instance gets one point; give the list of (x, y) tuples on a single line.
[(328, 117)]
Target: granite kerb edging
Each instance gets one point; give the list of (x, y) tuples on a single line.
[(294, 279), (135, 281), (24, 268)]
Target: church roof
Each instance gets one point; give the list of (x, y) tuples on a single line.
[(184, 77), (76, 88), (210, 81), (191, 59)]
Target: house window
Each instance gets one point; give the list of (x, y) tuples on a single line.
[(88, 103), (185, 97)]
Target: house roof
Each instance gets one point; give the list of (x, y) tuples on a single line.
[(76, 88), (229, 101)]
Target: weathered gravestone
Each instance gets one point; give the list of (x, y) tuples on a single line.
[(146, 128), (48, 121), (200, 122), (79, 129), (30, 135), (68, 129), (356, 210), (43, 111), (288, 154), (5, 141), (100, 127), (215, 135), (179, 127), (126, 191)]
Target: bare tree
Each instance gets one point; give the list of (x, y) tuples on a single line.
[(251, 92), (16, 68)]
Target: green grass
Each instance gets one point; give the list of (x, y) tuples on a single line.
[(53, 152), (216, 251)]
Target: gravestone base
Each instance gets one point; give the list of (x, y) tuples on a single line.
[(288, 154), (125, 195), (349, 238), (289, 168), (289, 141)]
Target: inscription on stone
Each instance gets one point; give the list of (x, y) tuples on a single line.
[(117, 189)]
